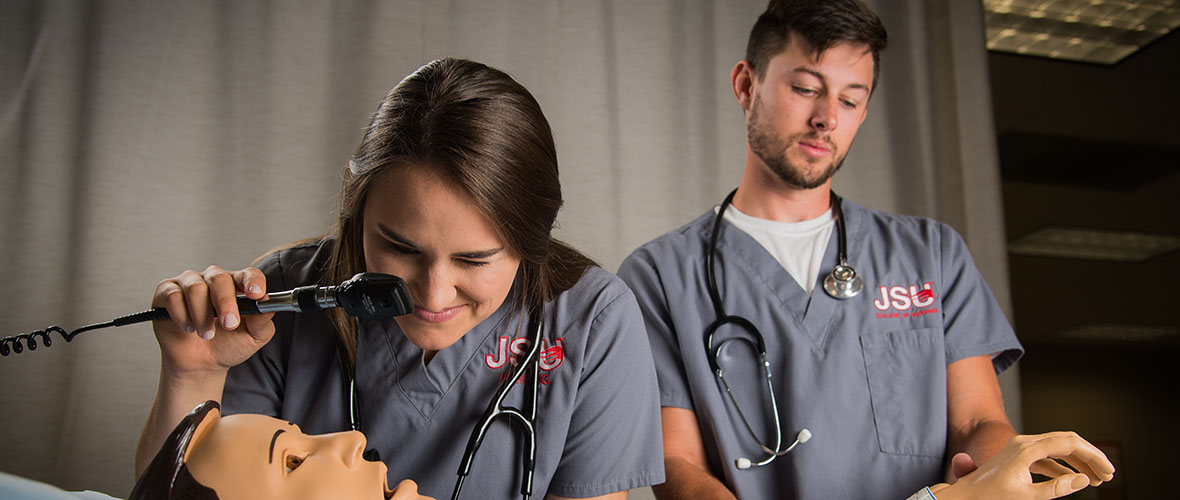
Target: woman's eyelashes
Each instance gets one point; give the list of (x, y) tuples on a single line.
[(472, 263), (402, 249)]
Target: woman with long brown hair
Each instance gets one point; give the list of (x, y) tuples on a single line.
[(454, 188)]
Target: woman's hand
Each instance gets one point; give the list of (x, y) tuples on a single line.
[(206, 334), (1007, 475)]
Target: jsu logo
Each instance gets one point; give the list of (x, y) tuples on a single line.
[(508, 350), (903, 298)]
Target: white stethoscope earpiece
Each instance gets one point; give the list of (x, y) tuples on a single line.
[(744, 463)]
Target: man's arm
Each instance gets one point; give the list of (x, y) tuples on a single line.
[(686, 470), (976, 423)]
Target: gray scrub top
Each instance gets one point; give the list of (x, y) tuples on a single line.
[(598, 427), (866, 375)]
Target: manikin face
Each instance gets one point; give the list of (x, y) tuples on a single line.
[(427, 231), (806, 110), (255, 457)]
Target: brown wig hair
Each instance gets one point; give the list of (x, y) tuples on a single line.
[(483, 132), (820, 24), (167, 478)]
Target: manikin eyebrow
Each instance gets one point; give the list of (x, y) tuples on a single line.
[(402, 240), (821, 78), (270, 459)]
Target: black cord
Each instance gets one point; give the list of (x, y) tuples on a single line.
[(13, 344)]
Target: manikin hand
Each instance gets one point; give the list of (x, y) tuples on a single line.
[(1008, 475), (961, 465)]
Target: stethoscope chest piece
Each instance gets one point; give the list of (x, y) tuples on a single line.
[(843, 282)]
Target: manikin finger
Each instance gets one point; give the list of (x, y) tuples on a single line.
[(1077, 452), (1082, 466), (1049, 467), (1061, 486)]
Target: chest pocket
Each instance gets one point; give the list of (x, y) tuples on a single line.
[(907, 384)]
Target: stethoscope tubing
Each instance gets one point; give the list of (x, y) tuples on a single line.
[(528, 367), (848, 285)]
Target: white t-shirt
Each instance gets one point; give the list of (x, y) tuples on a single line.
[(798, 246)]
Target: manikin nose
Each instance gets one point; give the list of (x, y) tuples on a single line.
[(348, 446)]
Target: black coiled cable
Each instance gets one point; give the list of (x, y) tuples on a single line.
[(13, 344)]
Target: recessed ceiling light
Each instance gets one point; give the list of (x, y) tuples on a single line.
[(1105, 31), (1097, 244)]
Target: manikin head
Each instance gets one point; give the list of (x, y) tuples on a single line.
[(257, 457)]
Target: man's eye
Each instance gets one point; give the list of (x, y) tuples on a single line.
[(804, 91), (293, 462)]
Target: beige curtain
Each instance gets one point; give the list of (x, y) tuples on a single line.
[(139, 139)]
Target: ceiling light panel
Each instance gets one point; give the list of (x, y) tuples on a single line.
[(1095, 244), (1119, 333), (1098, 31)]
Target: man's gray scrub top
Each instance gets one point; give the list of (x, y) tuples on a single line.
[(866, 375), (598, 427)]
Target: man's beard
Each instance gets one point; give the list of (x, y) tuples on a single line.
[(772, 150)]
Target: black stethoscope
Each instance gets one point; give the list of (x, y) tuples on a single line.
[(529, 366), (842, 283)]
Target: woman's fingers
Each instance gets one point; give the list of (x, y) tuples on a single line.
[(170, 296), (223, 294), (196, 298), (203, 302), (251, 282), (259, 326)]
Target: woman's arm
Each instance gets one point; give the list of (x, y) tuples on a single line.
[(204, 337)]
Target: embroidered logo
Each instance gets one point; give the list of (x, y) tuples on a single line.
[(906, 301), (509, 351)]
